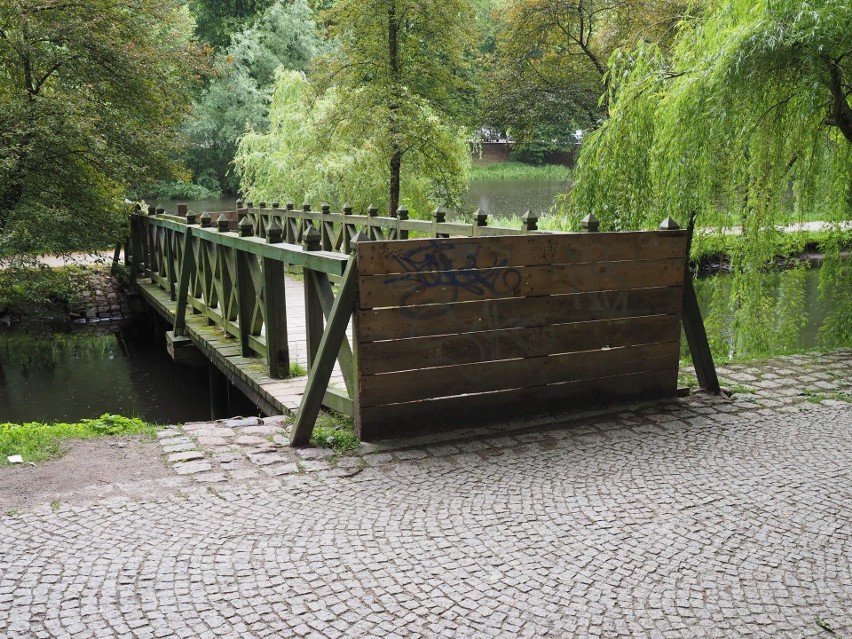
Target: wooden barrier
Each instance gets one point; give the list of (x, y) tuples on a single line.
[(451, 331)]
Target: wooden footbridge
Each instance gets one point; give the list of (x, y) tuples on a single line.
[(406, 323)]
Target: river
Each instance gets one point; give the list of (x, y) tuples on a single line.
[(122, 369), (500, 198)]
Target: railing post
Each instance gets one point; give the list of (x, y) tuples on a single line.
[(246, 295), (326, 228), (186, 268), (401, 216), (439, 216), (590, 223), (529, 222), (373, 232), (480, 220), (275, 308), (348, 229), (313, 305)]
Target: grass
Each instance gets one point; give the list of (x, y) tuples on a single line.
[(38, 441), (297, 370), (335, 431), (520, 171)]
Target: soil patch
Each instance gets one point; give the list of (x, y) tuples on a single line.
[(93, 470)]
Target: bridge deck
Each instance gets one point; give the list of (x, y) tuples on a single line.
[(249, 374)]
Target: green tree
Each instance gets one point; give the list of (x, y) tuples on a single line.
[(747, 120), (297, 158), (237, 99), (92, 94), (400, 64), (217, 19), (549, 68)]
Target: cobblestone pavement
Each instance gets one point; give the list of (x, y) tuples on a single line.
[(701, 517)]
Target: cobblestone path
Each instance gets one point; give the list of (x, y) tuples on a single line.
[(695, 518)]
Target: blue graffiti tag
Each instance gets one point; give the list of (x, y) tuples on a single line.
[(430, 267)]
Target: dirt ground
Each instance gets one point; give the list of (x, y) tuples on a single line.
[(109, 469)]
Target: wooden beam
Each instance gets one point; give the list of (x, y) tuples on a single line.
[(326, 298), (186, 270), (275, 312), (323, 364), (693, 328)]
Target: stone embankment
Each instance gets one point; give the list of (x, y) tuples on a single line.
[(101, 298)]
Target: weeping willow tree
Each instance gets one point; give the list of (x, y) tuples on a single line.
[(313, 153), (747, 123)]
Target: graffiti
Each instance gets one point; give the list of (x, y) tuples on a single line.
[(431, 267)]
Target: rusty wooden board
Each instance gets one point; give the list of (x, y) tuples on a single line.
[(466, 410), (464, 285), (517, 250), (464, 325)]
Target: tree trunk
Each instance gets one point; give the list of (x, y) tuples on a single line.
[(393, 97), (395, 166)]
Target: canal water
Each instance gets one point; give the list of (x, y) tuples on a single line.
[(125, 369), (497, 198), (106, 368)]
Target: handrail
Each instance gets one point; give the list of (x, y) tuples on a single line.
[(235, 280)]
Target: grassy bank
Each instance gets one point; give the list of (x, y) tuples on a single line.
[(520, 171), (38, 441)]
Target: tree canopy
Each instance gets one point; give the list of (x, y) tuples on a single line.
[(237, 98), (549, 68), (745, 123), (92, 93), (298, 159), (398, 67)]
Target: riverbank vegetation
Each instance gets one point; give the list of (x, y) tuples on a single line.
[(39, 441), (520, 171)]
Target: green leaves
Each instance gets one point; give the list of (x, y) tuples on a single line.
[(92, 95)]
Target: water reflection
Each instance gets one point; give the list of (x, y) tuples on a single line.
[(84, 374), (766, 313), (497, 198)]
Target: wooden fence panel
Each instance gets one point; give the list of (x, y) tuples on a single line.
[(451, 331)]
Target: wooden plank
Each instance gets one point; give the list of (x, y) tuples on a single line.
[(447, 413), (488, 315), (425, 383), (517, 250), (446, 350), (436, 287)]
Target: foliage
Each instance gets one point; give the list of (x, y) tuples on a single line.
[(39, 294), (519, 171), (402, 72), (37, 441), (92, 94), (312, 153), (336, 432), (548, 71), (218, 19), (177, 191), (748, 119), (238, 97), (297, 370)]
